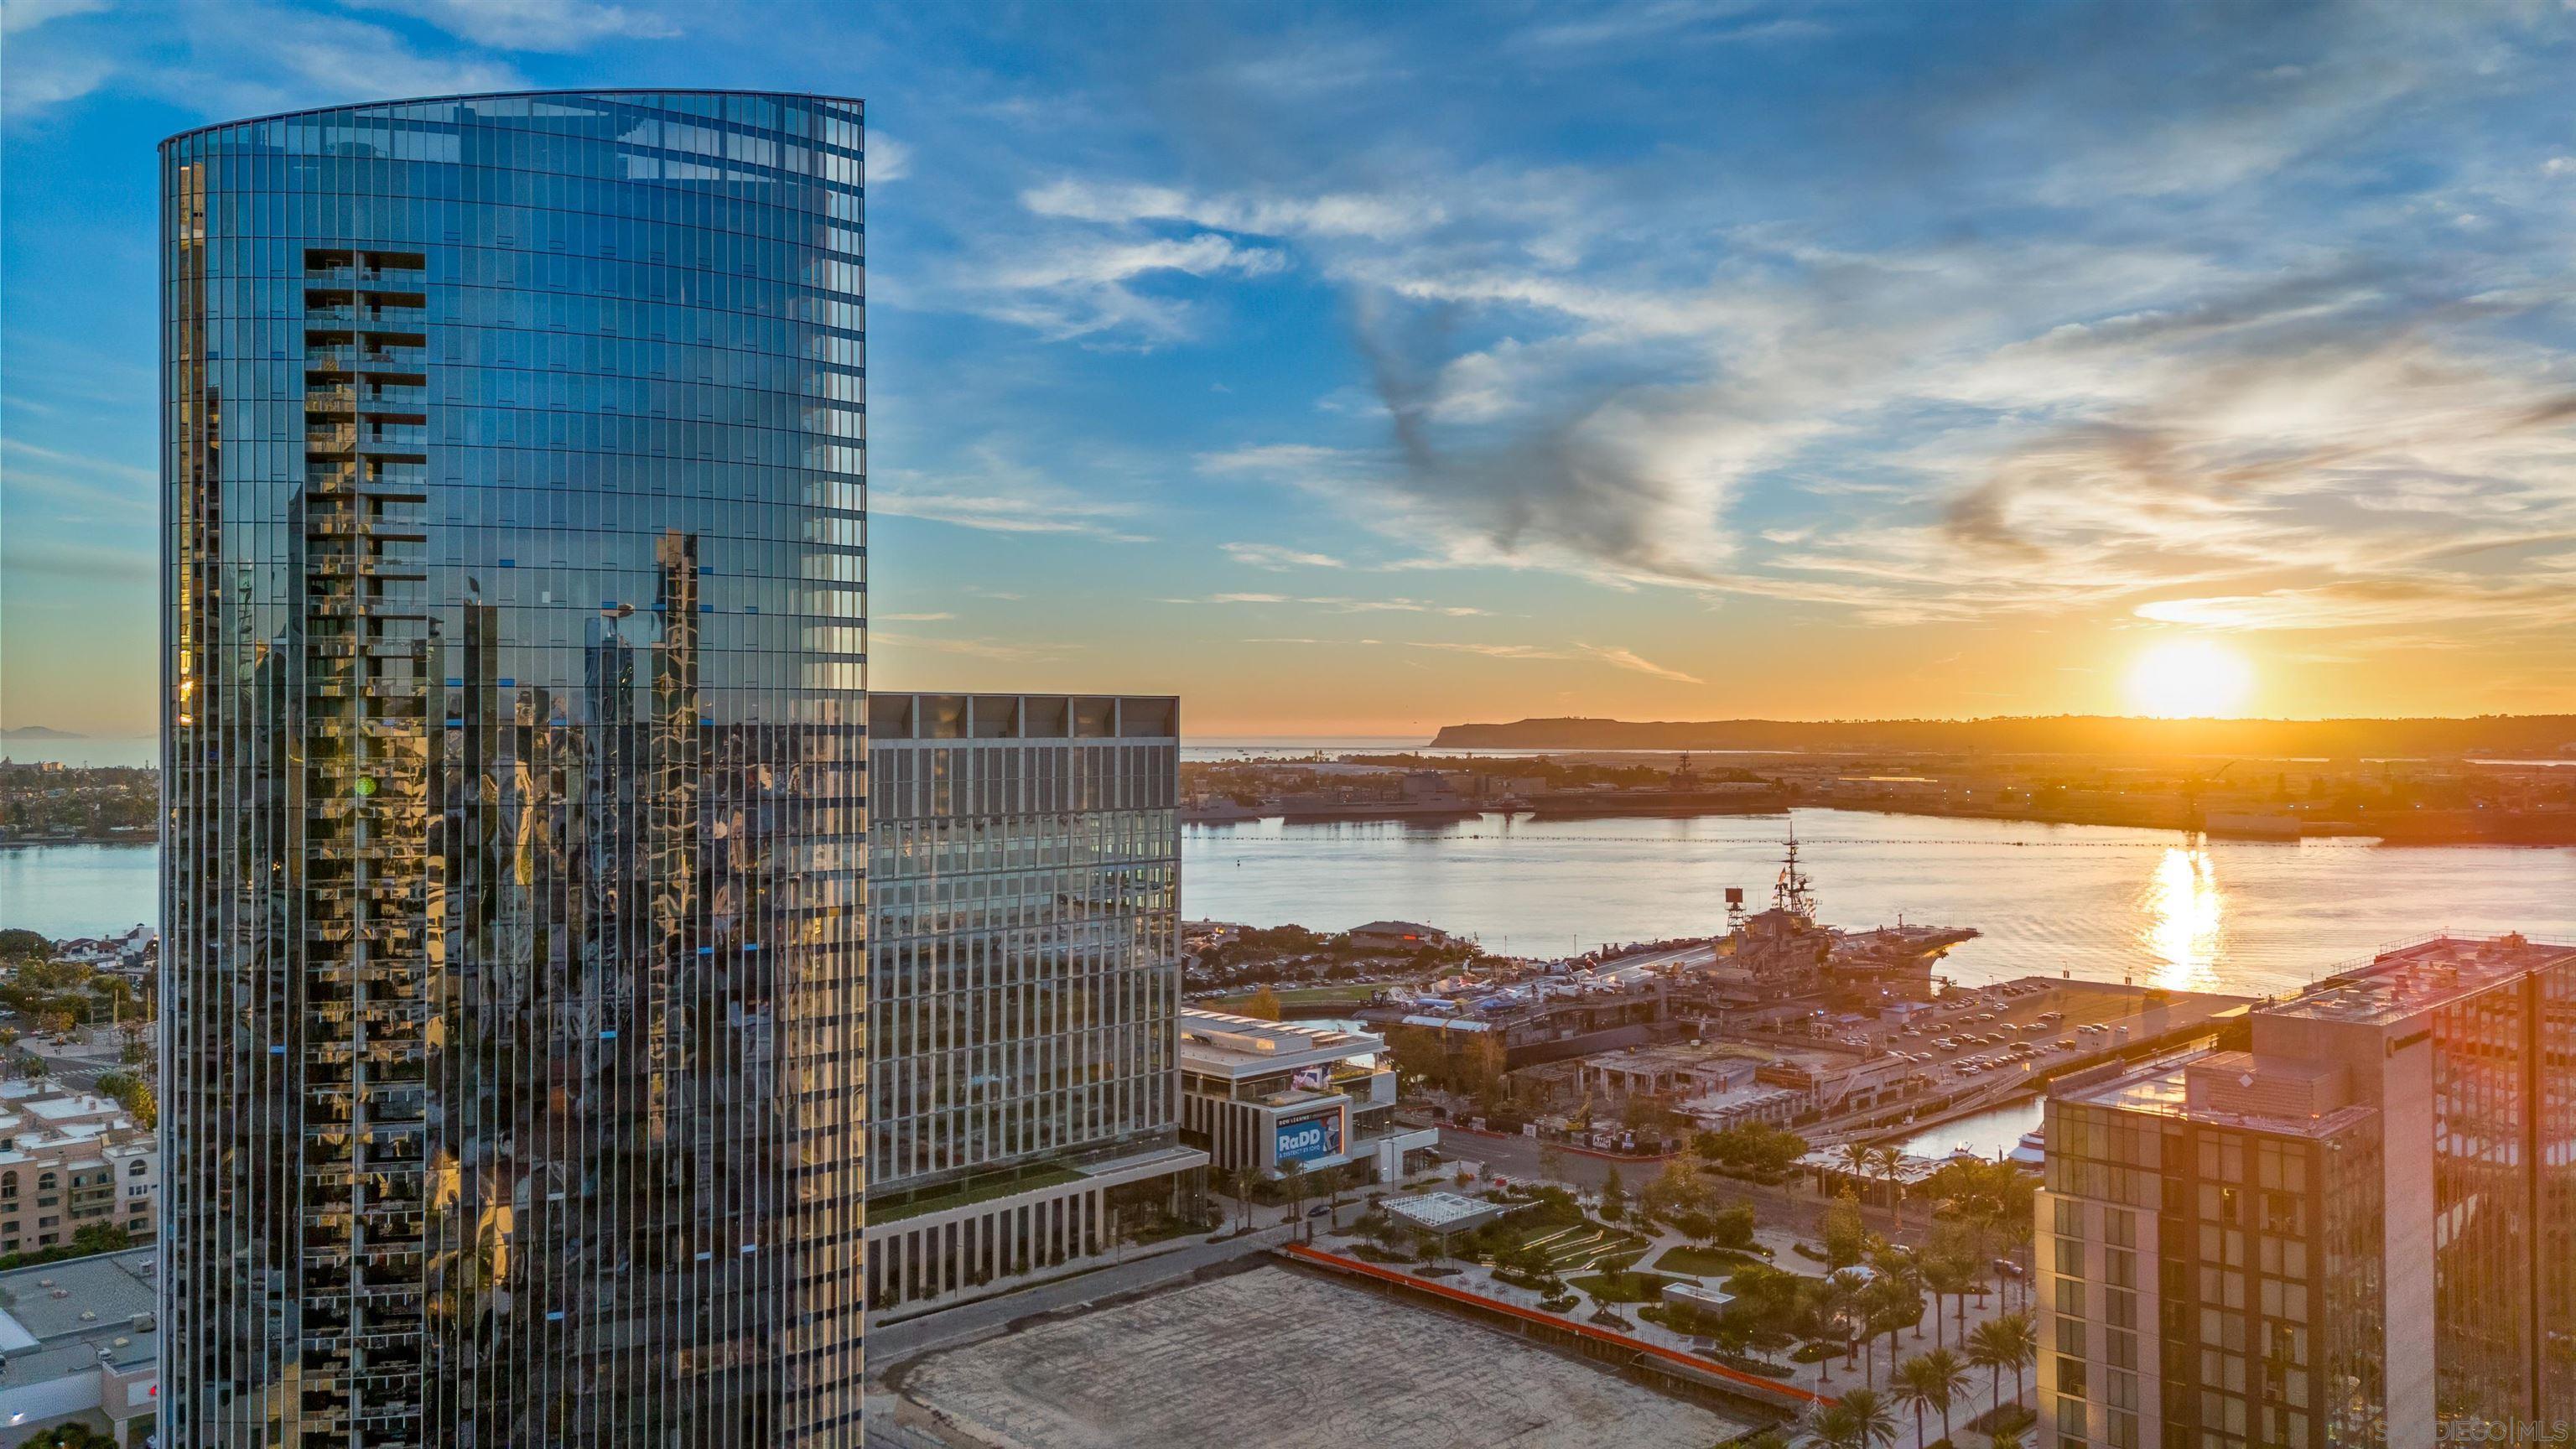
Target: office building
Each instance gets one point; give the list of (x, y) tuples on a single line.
[(1024, 975), (514, 739), (2357, 1229), (1260, 1095)]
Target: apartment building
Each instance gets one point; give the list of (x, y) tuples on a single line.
[(68, 1161), (2358, 1233)]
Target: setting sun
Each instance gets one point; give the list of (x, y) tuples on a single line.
[(2187, 677)]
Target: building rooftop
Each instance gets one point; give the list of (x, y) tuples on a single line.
[(1248, 1046), (58, 1318), (2163, 1089), (2422, 975)]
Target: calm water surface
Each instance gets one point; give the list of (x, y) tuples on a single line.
[(2148, 905), (2153, 906)]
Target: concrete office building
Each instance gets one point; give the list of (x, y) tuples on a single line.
[(514, 541), (2360, 1233), (1258, 1095), (1024, 973)]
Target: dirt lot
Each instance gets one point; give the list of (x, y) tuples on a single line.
[(1274, 1357)]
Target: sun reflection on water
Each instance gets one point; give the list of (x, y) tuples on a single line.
[(2184, 907)]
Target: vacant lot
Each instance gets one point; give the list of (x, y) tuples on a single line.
[(1275, 1359)]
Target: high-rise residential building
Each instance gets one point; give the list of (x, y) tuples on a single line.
[(515, 591), (1024, 989), (2355, 1229)]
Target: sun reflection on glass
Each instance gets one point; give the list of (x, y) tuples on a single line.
[(2183, 909)]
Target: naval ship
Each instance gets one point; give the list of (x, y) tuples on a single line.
[(1783, 951)]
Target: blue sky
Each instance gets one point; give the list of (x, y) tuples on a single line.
[(1355, 369)]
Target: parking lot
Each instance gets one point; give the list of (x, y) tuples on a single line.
[(1277, 1358), (2036, 1022)]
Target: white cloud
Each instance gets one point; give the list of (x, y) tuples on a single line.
[(19, 16), (1342, 604), (1628, 659), (887, 158), (542, 25), (997, 494), (1276, 556), (1331, 215), (1078, 286)]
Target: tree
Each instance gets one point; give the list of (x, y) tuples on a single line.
[(2002, 1438), (1292, 1176), (1860, 1419), (56, 1022), (1914, 1384), (17, 944), (1551, 1162), (1846, 1235), (1942, 1378), (133, 1094), (1891, 1160), (1264, 1004), (1948, 1270), (1614, 1196), (1991, 1347), (1732, 1227), (1677, 1192), (2016, 1333)]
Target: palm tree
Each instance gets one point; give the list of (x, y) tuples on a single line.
[(2021, 1336), (1860, 1160), (1912, 1385), (2004, 1439), (1872, 1415), (1991, 1347), (1833, 1427), (1943, 1367), (1946, 1275), (1890, 1159)]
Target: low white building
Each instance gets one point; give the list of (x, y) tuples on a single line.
[(1752, 1102), (77, 1346), (1256, 1095)]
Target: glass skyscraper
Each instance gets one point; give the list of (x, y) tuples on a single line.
[(1024, 961), (515, 835)]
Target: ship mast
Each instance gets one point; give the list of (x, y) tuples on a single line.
[(1793, 893)]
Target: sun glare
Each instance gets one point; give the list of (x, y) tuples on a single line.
[(2186, 677)]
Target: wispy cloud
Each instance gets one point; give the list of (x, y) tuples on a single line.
[(557, 25), (1343, 605), (1276, 556), (997, 494), (1627, 659)]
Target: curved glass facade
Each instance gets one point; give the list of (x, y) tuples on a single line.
[(515, 840)]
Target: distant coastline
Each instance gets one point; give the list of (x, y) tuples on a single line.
[(2535, 737)]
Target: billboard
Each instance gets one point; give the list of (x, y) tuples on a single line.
[(1304, 1139)]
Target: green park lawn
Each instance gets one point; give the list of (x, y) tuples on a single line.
[(1622, 1287), (1703, 1262)]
